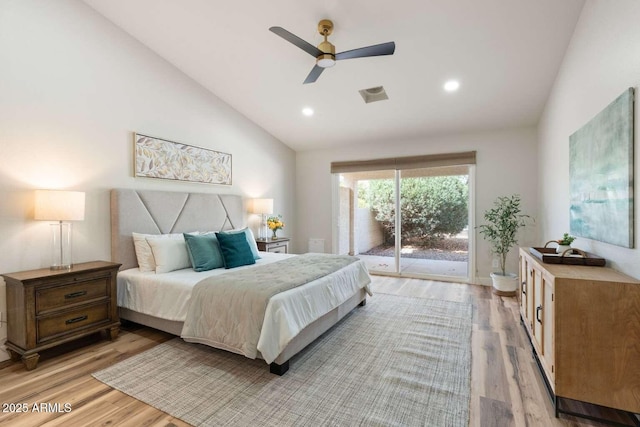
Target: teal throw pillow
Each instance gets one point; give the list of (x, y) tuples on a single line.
[(250, 239), (235, 250), (204, 251)]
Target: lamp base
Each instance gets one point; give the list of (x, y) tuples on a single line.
[(262, 231), (61, 246)]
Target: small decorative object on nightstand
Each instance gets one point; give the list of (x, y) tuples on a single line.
[(47, 308), (279, 245), (275, 223)]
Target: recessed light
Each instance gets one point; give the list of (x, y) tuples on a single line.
[(307, 111), (452, 85)]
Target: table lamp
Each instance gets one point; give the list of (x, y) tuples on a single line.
[(263, 207), (60, 206)]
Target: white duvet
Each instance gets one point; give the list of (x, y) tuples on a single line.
[(167, 296)]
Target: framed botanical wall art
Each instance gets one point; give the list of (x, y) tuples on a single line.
[(601, 175), (159, 158)]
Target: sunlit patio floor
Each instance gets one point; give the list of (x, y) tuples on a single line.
[(415, 266)]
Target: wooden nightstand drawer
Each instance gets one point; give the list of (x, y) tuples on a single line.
[(52, 327), (62, 296)]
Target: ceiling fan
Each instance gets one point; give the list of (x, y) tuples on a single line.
[(325, 53)]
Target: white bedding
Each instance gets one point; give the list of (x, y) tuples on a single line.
[(168, 295)]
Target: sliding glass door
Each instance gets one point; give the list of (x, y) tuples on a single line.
[(409, 222)]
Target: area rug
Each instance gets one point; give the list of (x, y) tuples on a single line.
[(397, 361)]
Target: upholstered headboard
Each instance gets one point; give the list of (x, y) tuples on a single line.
[(163, 212)]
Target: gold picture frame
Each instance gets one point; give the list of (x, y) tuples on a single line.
[(160, 158)]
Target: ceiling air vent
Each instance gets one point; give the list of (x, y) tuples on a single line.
[(373, 94)]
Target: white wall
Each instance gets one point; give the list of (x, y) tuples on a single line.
[(368, 232), (600, 63), (73, 89), (506, 164)]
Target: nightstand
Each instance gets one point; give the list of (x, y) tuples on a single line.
[(46, 308), (279, 245)]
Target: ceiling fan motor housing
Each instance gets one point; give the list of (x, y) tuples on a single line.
[(328, 58)]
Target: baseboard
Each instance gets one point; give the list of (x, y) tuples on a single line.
[(6, 363), (484, 281), (4, 354)]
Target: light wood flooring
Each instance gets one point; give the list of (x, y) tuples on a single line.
[(506, 386)]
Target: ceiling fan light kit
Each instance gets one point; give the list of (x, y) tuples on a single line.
[(326, 60), (325, 53)]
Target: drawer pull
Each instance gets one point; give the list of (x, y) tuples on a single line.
[(76, 319), (524, 288), (538, 310), (75, 294)]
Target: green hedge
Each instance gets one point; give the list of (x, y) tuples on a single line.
[(432, 207)]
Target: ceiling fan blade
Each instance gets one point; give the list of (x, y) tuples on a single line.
[(314, 74), (375, 50), (292, 38)]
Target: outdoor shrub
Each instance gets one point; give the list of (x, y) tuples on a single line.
[(432, 207)]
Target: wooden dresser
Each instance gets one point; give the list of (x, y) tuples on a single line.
[(584, 325), (46, 308)]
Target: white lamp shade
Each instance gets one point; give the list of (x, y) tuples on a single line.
[(56, 205), (262, 206)]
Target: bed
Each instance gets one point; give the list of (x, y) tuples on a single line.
[(167, 300)]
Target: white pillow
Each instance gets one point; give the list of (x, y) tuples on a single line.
[(252, 243), (169, 254), (143, 250)]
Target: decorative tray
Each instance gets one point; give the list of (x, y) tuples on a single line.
[(570, 257)]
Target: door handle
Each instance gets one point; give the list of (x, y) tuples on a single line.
[(538, 310), (524, 287)]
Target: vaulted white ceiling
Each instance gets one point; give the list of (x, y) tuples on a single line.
[(505, 53)]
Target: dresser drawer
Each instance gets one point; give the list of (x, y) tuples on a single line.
[(69, 321), (61, 296)]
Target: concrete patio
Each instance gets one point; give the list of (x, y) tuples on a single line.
[(386, 264)]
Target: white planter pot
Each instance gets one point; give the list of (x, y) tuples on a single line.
[(561, 248), (506, 285)]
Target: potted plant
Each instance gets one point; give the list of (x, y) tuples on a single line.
[(564, 243), (502, 223)]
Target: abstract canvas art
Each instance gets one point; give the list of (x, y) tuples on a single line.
[(159, 158), (601, 175)]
